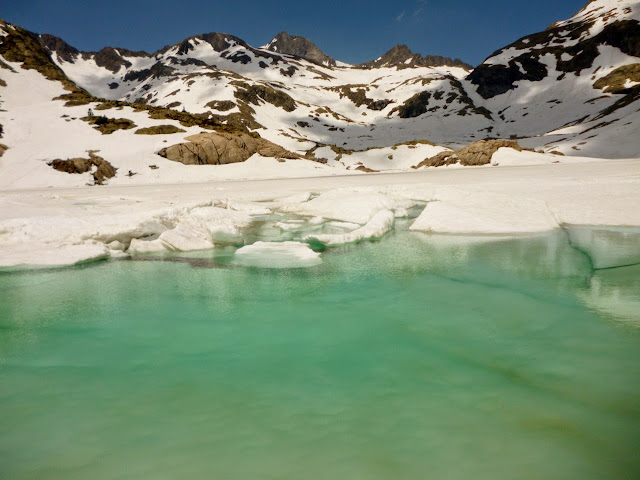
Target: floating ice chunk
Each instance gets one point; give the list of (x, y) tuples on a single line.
[(607, 247), (290, 225), (47, 255), (349, 205), (125, 229), (479, 213), (277, 255), (186, 239), (226, 235), (401, 212), (317, 220), (141, 246), (344, 225), (380, 224), (116, 245)]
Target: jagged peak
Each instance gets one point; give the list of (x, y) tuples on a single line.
[(298, 46), (401, 56)]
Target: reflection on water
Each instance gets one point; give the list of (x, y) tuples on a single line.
[(417, 356)]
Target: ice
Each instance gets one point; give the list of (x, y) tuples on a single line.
[(185, 239), (380, 224), (480, 213), (47, 255), (607, 247), (614, 293), (277, 255), (225, 235), (354, 206), (141, 246)]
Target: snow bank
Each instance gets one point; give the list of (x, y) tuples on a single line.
[(277, 255), (465, 212), (380, 224)]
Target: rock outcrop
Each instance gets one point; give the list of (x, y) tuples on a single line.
[(103, 169), (222, 148), (478, 153), (299, 47)]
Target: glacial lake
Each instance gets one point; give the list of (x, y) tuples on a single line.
[(414, 357)]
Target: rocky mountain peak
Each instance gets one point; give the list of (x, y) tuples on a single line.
[(401, 56), (299, 47)]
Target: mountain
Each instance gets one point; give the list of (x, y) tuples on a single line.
[(573, 89), (402, 57), (299, 47)]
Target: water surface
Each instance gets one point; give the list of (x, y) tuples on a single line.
[(410, 358)]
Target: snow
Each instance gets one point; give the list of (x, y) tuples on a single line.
[(277, 255), (461, 212), (505, 200), (379, 224), (44, 255), (355, 206)]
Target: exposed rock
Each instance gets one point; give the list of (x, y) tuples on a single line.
[(108, 58), (358, 95), (158, 70), (402, 57), (254, 93), (299, 47), (159, 130), (108, 125), (222, 148), (62, 49), (478, 153), (3, 148), (103, 169)]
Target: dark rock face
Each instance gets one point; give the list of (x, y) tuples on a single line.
[(108, 58), (222, 148), (254, 93), (62, 49), (103, 171), (300, 47), (156, 71), (498, 78), (402, 57)]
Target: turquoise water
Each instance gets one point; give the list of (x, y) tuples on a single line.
[(416, 357)]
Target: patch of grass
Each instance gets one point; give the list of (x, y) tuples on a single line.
[(221, 105), (615, 81)]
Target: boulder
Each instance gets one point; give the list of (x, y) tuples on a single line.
[(222, 148), (478, 153), (103, 170)]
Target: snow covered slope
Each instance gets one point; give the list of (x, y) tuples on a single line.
[(576, 83), (573, 89)]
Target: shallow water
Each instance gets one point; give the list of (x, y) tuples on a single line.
[(410, 358)]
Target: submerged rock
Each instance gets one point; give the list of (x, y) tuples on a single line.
[(222, 148)]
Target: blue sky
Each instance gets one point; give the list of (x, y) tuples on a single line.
[(349, 30)]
